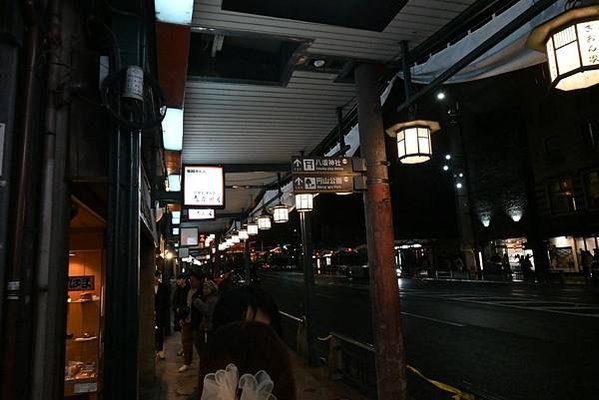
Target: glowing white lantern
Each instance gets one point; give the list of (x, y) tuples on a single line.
[(252, 229), (264, 222), (571, 41), (243, 234), (414, 144), (235, 239), (304, 202), (280, 214)]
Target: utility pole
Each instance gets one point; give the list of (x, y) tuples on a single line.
[(384, 289), (306, 230)]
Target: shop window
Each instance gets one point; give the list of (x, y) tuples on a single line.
[(561, 196), (592, 188)]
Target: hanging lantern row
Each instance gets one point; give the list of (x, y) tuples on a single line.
[(252, 228), (264, 222), (414, 143), (304, 202), (571, 41), (280, 214)]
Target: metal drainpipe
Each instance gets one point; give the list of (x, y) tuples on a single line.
[(52, 265), (14, 299)]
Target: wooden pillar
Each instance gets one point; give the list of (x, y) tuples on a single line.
[(384, 289)]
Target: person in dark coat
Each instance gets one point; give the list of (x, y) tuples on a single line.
[(161, 312), (180, 309)]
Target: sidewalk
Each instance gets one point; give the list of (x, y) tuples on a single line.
[(311, 383)]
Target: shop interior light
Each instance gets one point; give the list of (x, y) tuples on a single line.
[(174, 11), (252, 228), (176, 217), (414, 144), (304, 202), (175, 231), (172, 128), (243, 234), (515, 214), (280, 214), (485, 220), (174, 183), (264, 222), (571, 43)]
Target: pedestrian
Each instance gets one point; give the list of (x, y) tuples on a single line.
[(251, 348), (180, 308), (226, 283), (505, 265), (586, 261), (527, 266), (205, 305), (190, 333), (161, 317), (459, 264), (247, 303)]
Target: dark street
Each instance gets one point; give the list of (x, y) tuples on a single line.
[(508, 340)]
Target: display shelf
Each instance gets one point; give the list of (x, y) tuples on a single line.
[(83, 339), (82, 301)]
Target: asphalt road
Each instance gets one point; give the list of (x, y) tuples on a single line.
[(512, 341)]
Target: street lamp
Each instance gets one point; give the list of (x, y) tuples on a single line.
[(571, 41), (280, 214), (243, 234), (264, 222), (304, 202), (414, 140), (252, 228)]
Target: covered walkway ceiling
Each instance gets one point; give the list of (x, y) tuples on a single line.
[(261, 88)]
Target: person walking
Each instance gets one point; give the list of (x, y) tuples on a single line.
[(191, 323), (161, 312), (205, 305), (180, 308)]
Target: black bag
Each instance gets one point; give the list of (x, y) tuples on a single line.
[(182, 312)]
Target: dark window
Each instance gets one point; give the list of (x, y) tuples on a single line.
[(561, 196), (592, 187), (554, 147), (590, 133)]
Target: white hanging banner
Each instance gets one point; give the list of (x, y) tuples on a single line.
[(509, 55)]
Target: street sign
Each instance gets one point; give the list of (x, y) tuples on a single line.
[(327, 174), (323, 184), (326, 165)]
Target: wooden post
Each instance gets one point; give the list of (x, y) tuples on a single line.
[(384, 289)]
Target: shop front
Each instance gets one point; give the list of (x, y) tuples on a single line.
[(507, 259), (85, 300)]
